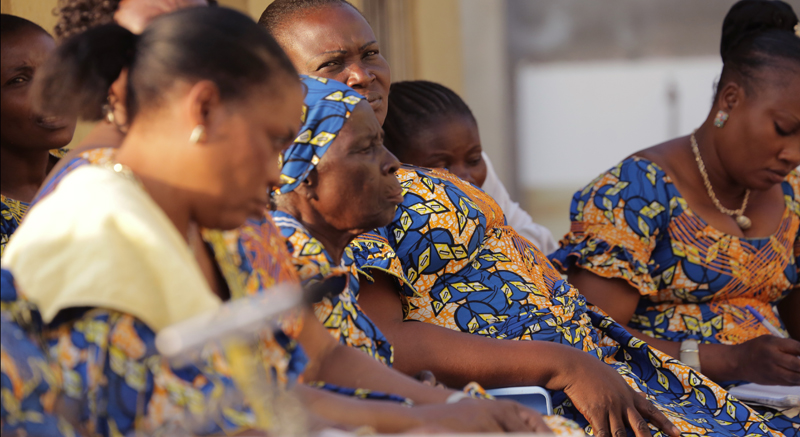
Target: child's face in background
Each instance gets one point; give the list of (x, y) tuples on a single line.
[(452, 143)]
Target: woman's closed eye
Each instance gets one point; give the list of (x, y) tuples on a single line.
[(785, 132)]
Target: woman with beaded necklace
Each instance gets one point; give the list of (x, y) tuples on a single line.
[(687, 241)]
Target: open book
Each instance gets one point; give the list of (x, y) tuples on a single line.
[(772, 395)]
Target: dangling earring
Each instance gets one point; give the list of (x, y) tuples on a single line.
[(109, 113), (721, 118), (198, 134)]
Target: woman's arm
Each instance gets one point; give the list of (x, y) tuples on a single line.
[(339, 364), (389, 417), (789, 310), (598, 392), (766, 359)]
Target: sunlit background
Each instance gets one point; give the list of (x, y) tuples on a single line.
[(562, 89)]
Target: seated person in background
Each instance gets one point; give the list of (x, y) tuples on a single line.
[(26, 137), (429, 125), (678, 240), (111, 255)]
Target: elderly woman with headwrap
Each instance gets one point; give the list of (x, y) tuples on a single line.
[(338, 182)]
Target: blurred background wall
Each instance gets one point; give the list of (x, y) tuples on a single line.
[(562, 90)]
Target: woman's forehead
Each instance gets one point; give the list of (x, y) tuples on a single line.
[(329, 28)]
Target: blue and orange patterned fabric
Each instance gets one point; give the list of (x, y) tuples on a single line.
[(29, 382), (326, 106), (108, 365), (462, 268), (339, 313), (632, 223)]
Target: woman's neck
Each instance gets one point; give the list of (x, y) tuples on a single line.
[(148, 161), (726, 188), (22, 172), (334, 241)]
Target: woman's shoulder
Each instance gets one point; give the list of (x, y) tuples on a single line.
[(791, 186), (635, 175), (791, 191)]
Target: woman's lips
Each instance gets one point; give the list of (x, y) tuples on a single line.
[(375, 103), (51, 123), (777, 176), (396, 197)]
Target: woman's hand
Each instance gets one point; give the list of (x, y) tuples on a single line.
[(607, 401), (136, 15), (767, 360), (476, 415)]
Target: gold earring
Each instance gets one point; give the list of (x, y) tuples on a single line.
[(198, 134)]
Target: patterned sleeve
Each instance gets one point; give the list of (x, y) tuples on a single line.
[(372, 251), (791, 192), (616, 221)]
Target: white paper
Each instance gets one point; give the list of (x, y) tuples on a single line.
[(773, 395)]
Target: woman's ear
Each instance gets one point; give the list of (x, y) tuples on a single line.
[(730, 96), (204, 106), (117, 97)]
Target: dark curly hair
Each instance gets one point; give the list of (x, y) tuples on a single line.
[(76, 16)]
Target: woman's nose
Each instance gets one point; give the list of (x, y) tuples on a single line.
[(359, 76), (391, 163), (462, 172)]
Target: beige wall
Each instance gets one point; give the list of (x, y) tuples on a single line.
[(436, 33)]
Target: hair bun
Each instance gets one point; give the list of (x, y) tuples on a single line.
[(749, 18)]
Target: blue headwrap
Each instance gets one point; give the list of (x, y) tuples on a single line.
[(327, 106)]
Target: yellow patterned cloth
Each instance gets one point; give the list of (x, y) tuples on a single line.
[(340, 312), (462, 268)]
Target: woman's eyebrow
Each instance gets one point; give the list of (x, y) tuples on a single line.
[(23, 67), (328, 52), (367, 45)]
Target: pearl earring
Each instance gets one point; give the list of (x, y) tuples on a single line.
[(198, 134)]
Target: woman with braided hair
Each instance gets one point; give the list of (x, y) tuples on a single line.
[(429, 125), (688, 242)]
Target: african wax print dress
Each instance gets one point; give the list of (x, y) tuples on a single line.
[(345, 320), (462, 268), (339, 313), (106, 369), (695, 281), (29, 381)]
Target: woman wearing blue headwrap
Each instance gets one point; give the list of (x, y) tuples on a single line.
[(338, 182), (458, 266)]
